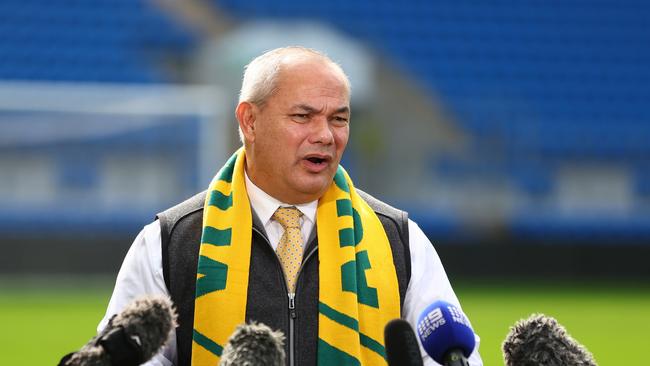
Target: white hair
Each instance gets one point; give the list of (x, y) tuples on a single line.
[(261, 74)]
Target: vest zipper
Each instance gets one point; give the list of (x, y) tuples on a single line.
[(291, 297), (292, 317)]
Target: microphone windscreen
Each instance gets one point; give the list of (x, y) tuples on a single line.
[(541, 340), (254, 344), (131, 337), (151, 320), (401, 344), (442, 327)]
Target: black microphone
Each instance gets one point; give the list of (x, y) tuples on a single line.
[(131, 337), (401, 344), (540, 340), (254, 344)]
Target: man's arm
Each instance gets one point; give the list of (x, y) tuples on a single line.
[(140, 275), (428, 284)]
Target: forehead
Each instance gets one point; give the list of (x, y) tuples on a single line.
[(312, 76)]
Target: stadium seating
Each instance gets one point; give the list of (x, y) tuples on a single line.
[(99, 40)]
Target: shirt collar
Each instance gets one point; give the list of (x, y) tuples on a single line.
[(265, 205)]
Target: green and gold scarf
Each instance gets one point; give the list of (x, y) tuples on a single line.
[(358, 291)]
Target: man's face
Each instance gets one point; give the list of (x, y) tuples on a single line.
[(299, 135)]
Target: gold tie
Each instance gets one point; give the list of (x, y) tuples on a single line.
[(290, 247)]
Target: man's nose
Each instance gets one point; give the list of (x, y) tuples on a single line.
[(321, 131)]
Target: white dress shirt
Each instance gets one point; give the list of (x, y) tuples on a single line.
[(141, 272)]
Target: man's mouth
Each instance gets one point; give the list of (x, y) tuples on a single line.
[(316, 160), (316, 163)]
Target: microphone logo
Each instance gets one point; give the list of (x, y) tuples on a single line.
[(430, 323), (457, 316)]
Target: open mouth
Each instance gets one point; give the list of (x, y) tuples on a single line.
[(316, 160), (317, 163)]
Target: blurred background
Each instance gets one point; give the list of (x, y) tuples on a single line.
[(516, 134)]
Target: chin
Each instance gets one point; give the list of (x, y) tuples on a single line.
[(314, 189)]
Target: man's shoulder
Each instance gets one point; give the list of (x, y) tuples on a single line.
[(192, 205), (381, 207)]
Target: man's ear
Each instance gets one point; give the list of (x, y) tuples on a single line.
[(246, 114)]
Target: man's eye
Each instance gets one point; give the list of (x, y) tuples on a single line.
[(340, 120), (299, 116)]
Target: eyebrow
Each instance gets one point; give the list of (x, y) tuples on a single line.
[(309, 109), (345, 109)]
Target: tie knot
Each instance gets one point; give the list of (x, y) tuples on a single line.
[(288, 217)]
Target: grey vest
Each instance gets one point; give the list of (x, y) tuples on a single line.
[(267, 300)]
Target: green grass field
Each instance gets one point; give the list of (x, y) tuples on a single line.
[(611, 320), (42, 319)]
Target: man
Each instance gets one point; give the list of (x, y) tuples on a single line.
[(283, 237)]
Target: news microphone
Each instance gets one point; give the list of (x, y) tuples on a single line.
[(131, 337), (401, 344), (541, 341), (254, 344), (446, 334)]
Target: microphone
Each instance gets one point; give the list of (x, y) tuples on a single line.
[(541, 340), (254, 344), (131, 337), (446, 334), (401, 345)]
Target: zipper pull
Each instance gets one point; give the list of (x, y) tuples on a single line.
[(292, 305)]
